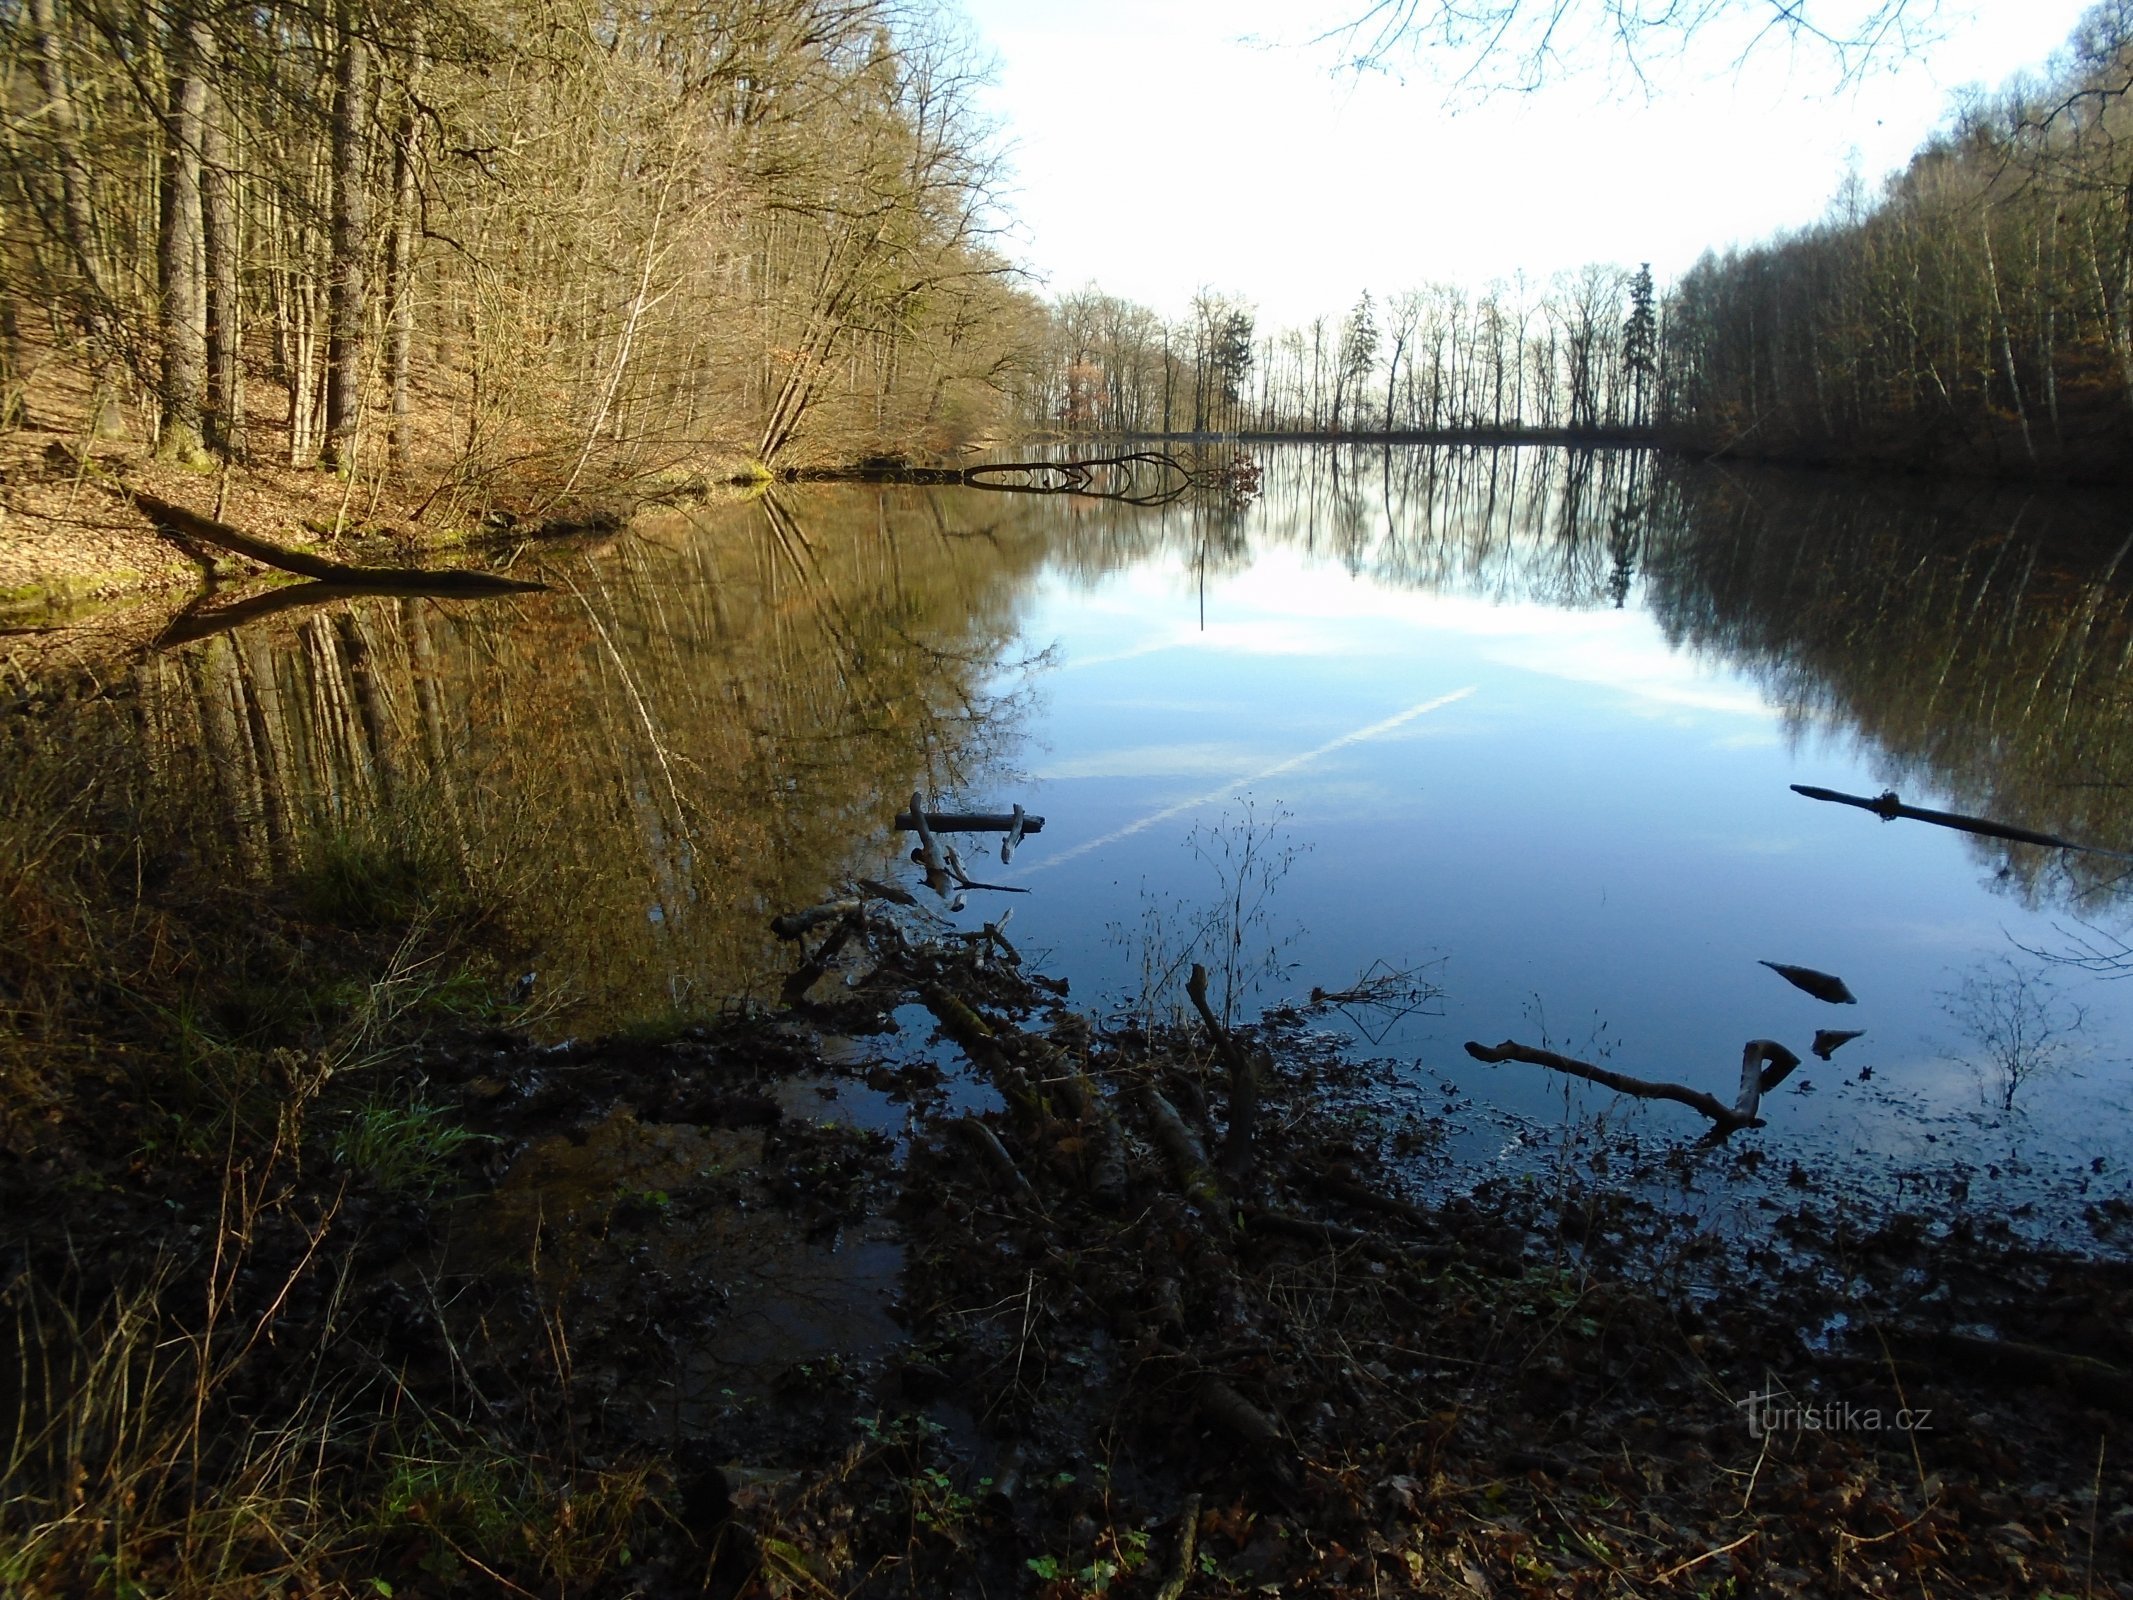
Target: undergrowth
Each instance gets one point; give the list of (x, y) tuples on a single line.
[(203, 1085)]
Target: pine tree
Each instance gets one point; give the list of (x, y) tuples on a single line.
[(1640, 345)]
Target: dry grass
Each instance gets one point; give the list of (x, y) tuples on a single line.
[(188, 1406)]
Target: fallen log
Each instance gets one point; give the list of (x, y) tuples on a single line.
[(1096, 477), (1764, 1065), (1369, 1199), (1336, 1236), (1266, 1448), (177, 522), (985, 1145), (966, 822), (199, 621), (975, 1037), (1888, 807), (1182, 1568), (1099, 1125), (1188, 1161), (928, 853)]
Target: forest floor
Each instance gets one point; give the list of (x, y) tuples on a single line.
[(70, 538), (326, 1278)]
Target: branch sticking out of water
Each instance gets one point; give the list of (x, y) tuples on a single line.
[(1888, 808), (1764, 1065), (1136, 477)]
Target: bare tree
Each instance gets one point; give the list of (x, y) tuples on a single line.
[(1520, 45)]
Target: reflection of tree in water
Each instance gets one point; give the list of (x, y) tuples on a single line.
[(691, 732), (694, 729), (1975, 647), (1973, 643)]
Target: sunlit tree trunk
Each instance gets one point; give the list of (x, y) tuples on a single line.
[(181, 263), (351, 241), (224, 419)]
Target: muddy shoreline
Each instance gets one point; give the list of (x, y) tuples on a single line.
[(729, 1310)]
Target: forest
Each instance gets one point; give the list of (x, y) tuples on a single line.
[(1977, 314), (482, 240), (515, 243)]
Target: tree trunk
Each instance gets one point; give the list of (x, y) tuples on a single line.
[(400, 269), (225, 334), (184, 295), (351, 229), (92, 303)]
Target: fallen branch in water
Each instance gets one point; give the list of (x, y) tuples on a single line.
[(968, 821), (1243, 1084), (928, 853), (1095, 477), (1764, 1065), (1888, 808), (174, 521)]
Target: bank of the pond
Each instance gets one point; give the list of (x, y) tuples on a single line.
[(70, 536), (326, 1278)]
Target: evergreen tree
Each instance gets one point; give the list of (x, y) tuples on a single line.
[(1640, 344)]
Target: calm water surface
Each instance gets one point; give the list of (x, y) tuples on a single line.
[(1520, 721)]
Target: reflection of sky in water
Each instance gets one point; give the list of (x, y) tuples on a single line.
[(1592, 828)]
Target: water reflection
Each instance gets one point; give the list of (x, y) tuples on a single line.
[(711, 717), (693, 730)]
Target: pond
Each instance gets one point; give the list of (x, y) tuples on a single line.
[(1516, 725)]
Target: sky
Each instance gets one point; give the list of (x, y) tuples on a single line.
[(1158, 147)]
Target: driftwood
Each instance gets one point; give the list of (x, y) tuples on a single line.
[(1265, 1447), (1888, 808), (1182, 1569), (1764, 1065), (1243, 1082), (1136, 477), (794, 923), (177, 522), (967, 821), (985, 1145), (1188, 1161), (1822, 985), (1103, 1139), (963, 879), (928, 853)]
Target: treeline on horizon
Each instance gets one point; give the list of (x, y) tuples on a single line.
[(500, 236), (1978, 315), (508, 239)]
